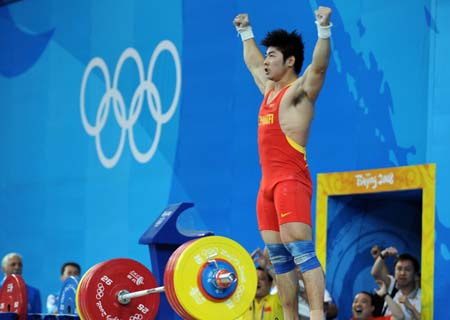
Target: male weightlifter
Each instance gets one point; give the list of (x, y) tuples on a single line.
[(285, 116)]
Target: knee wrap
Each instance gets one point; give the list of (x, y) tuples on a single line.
[(282, 260), (304, 254)]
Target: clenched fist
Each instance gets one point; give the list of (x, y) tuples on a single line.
[(323, 16), (241, 21)]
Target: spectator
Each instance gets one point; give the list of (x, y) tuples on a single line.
[(379, 302), (362, 307), (12, 264), (405, 280), (265, 305), (68, 269), (262, 259)]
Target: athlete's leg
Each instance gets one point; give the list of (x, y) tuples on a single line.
[(282, 261), (286, 275), (297, 237), (292, 201)]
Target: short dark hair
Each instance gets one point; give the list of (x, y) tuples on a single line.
[(408, 257), (290, 44), (268, 273), (73, 264), (367, 293)]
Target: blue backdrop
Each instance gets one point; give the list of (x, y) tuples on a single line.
[(112, 110)]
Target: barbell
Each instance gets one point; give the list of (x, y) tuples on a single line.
[(205, 278)]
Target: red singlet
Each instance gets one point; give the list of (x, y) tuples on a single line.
[(285, 190)]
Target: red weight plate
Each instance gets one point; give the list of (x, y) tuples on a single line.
[(173, 295), (99, 289), (169, 284), (168, 278), (13, 296), (176, 266), (81, 291)]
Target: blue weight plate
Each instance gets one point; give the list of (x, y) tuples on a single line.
[(67, 296)]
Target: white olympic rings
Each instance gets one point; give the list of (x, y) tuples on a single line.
[(100, 291), (113, 94)]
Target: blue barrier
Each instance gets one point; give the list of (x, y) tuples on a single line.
[(163, 238), (8, 316)]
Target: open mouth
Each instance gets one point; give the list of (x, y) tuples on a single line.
[(358, 310)]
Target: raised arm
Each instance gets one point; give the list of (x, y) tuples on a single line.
[(253, 57), (379, 269), (314, 75)]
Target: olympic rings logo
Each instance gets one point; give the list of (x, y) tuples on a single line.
[(126, 123), (136, 316), (100, 291)]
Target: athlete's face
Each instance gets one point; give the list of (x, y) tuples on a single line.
[(274, 65)]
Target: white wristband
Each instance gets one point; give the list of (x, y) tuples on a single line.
[(246, 33), (324, 32)]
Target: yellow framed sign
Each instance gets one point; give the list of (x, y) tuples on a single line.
[(385, 180)]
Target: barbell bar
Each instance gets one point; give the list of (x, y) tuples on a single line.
[(223, 279), (124, 297)]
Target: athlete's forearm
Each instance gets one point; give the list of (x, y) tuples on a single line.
[(321, 55), (253, 58), (252, 55)]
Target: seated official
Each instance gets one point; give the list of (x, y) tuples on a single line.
[(12, 264), (68, 269)]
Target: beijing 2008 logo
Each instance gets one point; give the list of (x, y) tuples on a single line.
[(112, 96)]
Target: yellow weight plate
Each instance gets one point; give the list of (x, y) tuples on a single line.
[(192, 261)]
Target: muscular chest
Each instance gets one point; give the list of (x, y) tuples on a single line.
[(287, 109), (295, 114)]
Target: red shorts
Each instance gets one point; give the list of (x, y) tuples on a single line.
[(287, 201)]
